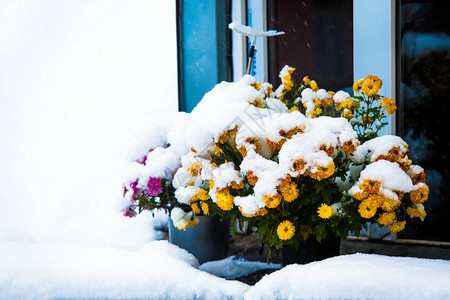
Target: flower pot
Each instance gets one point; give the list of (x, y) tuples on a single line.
[(310, 250), (207, 241)]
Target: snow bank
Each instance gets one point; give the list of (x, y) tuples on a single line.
[(157, 271), (358, 276)]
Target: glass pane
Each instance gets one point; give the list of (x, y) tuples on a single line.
[(318, 40), (423, 29)]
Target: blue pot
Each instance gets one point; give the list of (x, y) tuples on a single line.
[(207, 241)]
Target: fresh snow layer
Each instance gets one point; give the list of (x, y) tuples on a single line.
[(157, 271), (358, 276), (232, 267)]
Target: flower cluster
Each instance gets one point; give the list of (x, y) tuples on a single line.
[(389, 184), (294, 163), (154, 160)]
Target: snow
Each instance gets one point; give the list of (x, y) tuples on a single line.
[(158, 270), (358, 276)]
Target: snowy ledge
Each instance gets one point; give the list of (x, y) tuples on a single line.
[(163, 271)]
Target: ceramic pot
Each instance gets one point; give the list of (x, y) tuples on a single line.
[(207, 241)]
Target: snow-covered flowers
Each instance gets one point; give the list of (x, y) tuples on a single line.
[(296, 163)]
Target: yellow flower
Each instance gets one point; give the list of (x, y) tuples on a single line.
[(397, 226), (313, 85), (195, 208), (370, 88), (386, 218), (289, 192), (420, 194), (306, 80), (251, 178), (360, 195), (370, 186), (195, 169), (227, 135), (389, 104), (417, 212), (348, 114), (286, 230), (376, 80), (224, 200), (357, 86), (237, 186), (323, 172), (205, 208), (367, 209), (256, 85), (350, 146), (272, 201), (217, 150), (201, 195), (260, 212), (390, 205), (325, 211), (211, 184), (293, 108)]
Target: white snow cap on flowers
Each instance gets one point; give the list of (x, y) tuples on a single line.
[(181, 219), (163, 160), (340, 96), (219, 110), (308, 97), (249, 204), (225, 174), (378, 146), (340, 127), (389, 174)]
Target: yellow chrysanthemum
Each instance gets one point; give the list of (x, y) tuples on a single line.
[(294, 108), (272, 201), (286, 230), (375, 79), (205, 208), (201, 195), (224, 200), (325, 211), (420, 195), (417, 212), (350, 146), (251, 178), (313, 85), (289, 192), (195, 169), (386, 218), (390, 205), (370, 186), (360, 195), (211, 184), (397, 226), (260, 212), (389, 104), (237, 186), (367, 209), (228, 134), (287, 82), (323, 172), (195, 208), (370, 88), (348, 114), (257, 85), (306, 80), (357, 85)]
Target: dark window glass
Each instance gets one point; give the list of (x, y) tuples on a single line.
[(423, 87), (318, 40)]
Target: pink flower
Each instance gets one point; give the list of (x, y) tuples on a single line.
[(154, 186), (136, 191), (129, 212)]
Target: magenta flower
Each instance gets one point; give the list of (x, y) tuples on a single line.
[(129, 212), (154, 186), (136, 191)]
